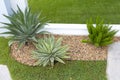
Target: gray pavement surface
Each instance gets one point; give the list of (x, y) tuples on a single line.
[(4, 73), (113, 62)]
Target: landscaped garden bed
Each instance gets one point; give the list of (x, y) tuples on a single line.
[(77, 50), (31, 46)]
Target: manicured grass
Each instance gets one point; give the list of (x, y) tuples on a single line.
[(72, 70), (77, 11)]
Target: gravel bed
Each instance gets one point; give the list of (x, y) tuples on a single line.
[(77, 50)]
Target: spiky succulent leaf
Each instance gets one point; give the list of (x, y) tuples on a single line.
[(49, 50)]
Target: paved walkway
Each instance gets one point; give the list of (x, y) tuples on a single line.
[(113, 61), (4, 73)]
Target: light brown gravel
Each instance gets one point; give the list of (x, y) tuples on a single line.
[(78, 50)]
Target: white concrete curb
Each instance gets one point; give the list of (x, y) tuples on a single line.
[(70, 29), (73, 29)]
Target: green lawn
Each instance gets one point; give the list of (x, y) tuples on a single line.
[(72, 70), (77, 11)]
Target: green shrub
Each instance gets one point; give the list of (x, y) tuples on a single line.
[(101, 34), (24, 26), (48, 51)]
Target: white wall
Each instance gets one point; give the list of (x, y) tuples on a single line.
[(3, 10), (6, 9), (21, 3), (8, 6)]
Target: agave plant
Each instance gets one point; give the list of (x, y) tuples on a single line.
[(48, 51), (101, 34), (24, 26)]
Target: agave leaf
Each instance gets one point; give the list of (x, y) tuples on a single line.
[(34, 39), (10, 42), (55, 49), (45, 62), (47, 47), (21, 43), (66, 56), (59, 60), (44, 32), (43, 46), (39, 62), (38, 27), (7, 33), (52, 61), (58, 42)]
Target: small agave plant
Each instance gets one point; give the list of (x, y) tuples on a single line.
[(24, 26), (48, 51), (101, 34)]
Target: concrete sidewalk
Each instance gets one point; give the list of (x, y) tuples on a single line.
[(4, 73), (113, 62)]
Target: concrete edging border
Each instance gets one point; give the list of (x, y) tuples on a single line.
[(73, 29), (69, 29)]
